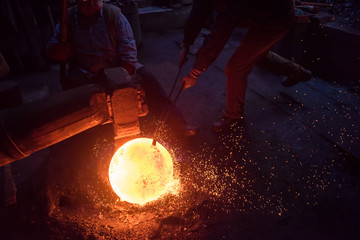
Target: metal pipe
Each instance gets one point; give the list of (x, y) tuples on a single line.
[(37, 125)]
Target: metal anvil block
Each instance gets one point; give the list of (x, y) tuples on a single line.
[(37, 125), (124, 112)]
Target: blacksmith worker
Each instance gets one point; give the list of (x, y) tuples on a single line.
[(266, 21), (99, 37)]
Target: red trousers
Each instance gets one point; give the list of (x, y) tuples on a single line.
[(260, 37)]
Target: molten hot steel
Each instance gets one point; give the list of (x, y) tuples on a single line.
[(140, 172)]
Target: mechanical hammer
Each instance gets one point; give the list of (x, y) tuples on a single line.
[(37, 125)]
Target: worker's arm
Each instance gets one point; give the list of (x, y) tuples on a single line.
[(211, 48), (273, 14), (200, 15), (214, 42), (126, 44)]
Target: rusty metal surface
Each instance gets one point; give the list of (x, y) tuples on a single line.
[(34, 126), (124, 105)]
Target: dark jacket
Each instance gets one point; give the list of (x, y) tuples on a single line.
[(267, 15), (242, 12)]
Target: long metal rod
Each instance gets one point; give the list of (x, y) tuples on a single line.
[(165, 113), (174, 84)]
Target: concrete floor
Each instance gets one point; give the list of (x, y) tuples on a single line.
[(291, 171)]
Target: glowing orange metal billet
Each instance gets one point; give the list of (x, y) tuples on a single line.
[(140, 172)]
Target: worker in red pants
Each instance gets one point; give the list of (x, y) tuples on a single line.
[(267, 22)]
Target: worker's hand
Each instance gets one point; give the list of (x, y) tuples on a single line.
[(190, 79), (58, 51), (183, 55)]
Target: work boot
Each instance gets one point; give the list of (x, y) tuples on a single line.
[(225, 124), (277, 64), (301, 75)]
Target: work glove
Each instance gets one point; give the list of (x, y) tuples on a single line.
[(190, 79), (183, 55), (58, 51)]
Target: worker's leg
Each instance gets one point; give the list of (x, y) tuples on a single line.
[(277, 64), (254, 46)]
